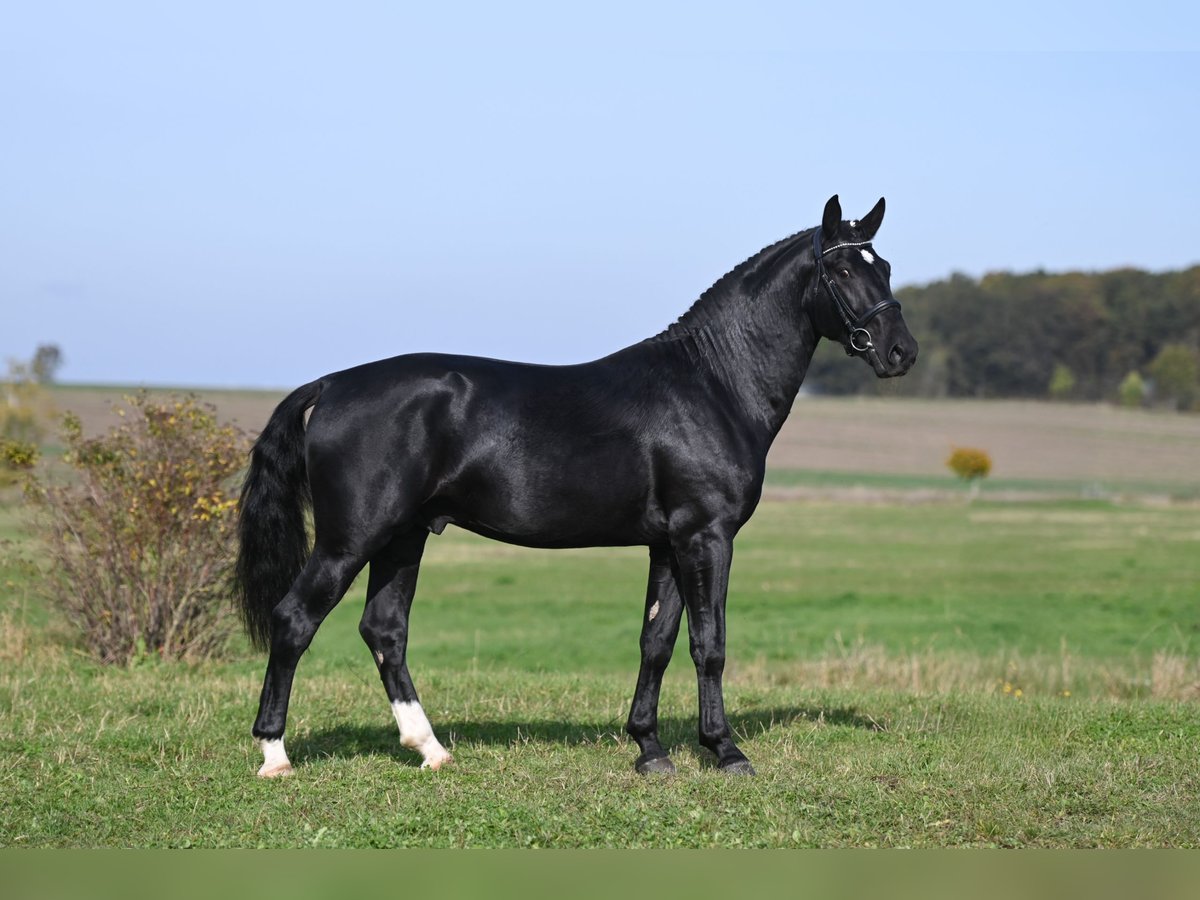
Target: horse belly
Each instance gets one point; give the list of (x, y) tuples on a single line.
[(579, 494)]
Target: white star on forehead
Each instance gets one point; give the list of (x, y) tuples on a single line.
[(867, 255)]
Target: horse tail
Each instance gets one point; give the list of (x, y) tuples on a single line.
[(272, 538)]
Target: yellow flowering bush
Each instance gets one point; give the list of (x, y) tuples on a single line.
[(969, 463), (16, 456), (141, 539)]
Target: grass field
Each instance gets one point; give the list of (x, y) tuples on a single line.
[(934, 673)]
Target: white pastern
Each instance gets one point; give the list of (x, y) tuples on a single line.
[(275, 759), (417, 734), (868, 256)]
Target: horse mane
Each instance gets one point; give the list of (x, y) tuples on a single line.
[(746, 278)]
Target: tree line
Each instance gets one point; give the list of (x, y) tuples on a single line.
[(1124, 335)]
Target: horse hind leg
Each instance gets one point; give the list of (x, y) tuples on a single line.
[(294, 622), (660, 628), (390, 588)]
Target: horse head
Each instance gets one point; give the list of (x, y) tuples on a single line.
[(851, 300)]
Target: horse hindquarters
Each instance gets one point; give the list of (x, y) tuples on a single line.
[(290, 466)]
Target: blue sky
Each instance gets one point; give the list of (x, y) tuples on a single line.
[(256, 194)]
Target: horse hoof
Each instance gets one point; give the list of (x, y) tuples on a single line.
[(738, 767), (435, 762), (659, 765), (275, 771)]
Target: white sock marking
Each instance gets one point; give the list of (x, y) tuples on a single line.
[(867, 255), (275, 759), (417, 734)]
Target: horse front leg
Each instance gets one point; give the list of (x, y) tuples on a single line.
[(660, 628), (704, 561)]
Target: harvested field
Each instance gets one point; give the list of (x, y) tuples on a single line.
[(891, 436), (94, 403), (1025, 439)]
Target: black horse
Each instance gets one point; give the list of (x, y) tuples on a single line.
[(662, 444)]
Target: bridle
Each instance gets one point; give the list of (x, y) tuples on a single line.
[(855, 325)]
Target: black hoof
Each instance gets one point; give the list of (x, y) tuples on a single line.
[(659, 765), (738, 767)]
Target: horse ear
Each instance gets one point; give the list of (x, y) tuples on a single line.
[(871, 221), (832, 218)]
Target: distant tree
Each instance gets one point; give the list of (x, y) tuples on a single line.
[(1005, 334), (46, 361), (1132, 392), (1176, 373)]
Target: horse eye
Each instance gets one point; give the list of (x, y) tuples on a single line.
[(844, 273)]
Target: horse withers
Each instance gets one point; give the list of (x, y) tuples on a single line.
[(662, 444)]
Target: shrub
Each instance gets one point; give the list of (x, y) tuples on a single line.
[(969, 464), (1132, 390), (1062, 383), (141, 539), (23, 405), (15, 457)]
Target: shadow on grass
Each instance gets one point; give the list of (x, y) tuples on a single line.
[(347, 741)]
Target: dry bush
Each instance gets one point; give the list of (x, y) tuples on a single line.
[(141, 539)]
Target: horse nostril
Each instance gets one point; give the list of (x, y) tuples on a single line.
[(896, 355)]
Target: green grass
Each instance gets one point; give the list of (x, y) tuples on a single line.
[(938, 675), (811, 579), (153, 758)]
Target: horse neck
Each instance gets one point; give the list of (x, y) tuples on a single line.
[(752, 331)]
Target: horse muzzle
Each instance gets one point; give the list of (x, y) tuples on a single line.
[(900, 358)]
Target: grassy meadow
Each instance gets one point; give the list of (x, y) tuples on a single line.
[(906, 669)]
